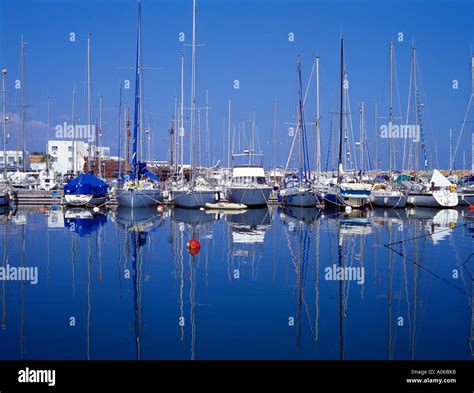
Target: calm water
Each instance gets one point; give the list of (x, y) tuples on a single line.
[(264, 285)]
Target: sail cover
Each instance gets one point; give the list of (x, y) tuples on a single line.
[(86, 184)]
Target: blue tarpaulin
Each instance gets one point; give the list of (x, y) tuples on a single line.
[(86, 184)]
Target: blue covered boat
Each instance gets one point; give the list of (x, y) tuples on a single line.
[(86, 190)]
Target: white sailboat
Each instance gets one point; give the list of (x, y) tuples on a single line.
[(298, 189), (385, 194), (440, 193), (198, 191), (141, 189), (86, 189), (347, 192)]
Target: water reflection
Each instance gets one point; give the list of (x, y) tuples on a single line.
[(295, 283)]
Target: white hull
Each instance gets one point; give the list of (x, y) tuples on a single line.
[(389, 199), (438, 199)]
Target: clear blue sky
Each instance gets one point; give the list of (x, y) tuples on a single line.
[(245, 40)]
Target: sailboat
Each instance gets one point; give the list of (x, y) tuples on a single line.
[(136, 191), (86, 189), (198, 191), (298, 190), (385, 194), (346, 192), (439, 192)]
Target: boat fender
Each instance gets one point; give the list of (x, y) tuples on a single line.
[(194, 246), (452, 188)]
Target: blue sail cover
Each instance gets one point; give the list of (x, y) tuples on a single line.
[(142, 171), (86, 184)]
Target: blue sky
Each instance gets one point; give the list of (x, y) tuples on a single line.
[(244, 40)]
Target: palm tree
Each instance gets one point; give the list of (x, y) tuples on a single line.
[(47, 159)]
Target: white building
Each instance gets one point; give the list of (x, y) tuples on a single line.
[(15, 159), (71, 155), (68, 155)]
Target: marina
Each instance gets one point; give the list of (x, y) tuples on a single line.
[(210, 180)]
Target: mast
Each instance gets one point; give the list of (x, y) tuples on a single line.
[(199, 138), (128, 133), (119, 163), (181, 116), (100, 135), (450, 150), (73, 128), (390, 112), (228, 136), (376, 138), (415, 111), (136, 117), (23, 128), (89, 107), (193, 93), (4, 104), (207, 129), (299, 127), (318, 129), (362, 135), (339, 174), (274, 140)]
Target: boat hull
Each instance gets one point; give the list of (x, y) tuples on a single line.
[(4, 199), (84, 200), (299, 198), (192, 199), (339, 199), (138, 198), (466, 199), (389, 200), (251, 197), (440, 199)]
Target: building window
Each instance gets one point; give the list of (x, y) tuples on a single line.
[(54, 149), (70, 159), (1, 159), (11, 159), (69, 148)]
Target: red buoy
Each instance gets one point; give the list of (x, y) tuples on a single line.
[(471, 207), (194, 246)]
